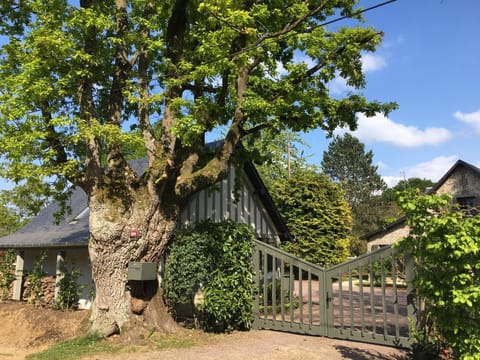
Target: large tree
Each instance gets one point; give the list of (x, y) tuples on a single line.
[(81, 81), (348, 163), (392, 211)]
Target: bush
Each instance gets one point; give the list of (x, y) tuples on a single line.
[(445, 244), (217, 256), (316, 215), (68, 289)]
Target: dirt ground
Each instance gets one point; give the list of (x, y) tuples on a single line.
[(26, 329)]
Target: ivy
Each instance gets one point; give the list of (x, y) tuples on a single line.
[(217, 258), (445, 244)]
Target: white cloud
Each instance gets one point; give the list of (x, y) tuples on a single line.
[(472, 119), (430, 170), (339, 86), (400, 39), (391, 181), (383, 166), (433, 169), (381, 129), (371, 62)]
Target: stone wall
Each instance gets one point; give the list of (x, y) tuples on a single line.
[(462, 181), (388, 237)]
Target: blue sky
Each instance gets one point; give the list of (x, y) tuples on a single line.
[(429, 63)]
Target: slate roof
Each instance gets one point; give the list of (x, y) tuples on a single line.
[(72, 230), (42, 231)]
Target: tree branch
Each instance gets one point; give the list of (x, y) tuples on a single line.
[(175, 35), (144, 81), (255, 129), (52, 137), (115, 160), (93, 167), (327, 59), (286, 29)]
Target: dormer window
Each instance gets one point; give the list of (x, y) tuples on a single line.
[(83, 214)]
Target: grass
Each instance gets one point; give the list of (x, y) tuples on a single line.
[(76, 348), (93, 344)]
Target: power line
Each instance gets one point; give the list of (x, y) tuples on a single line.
[(356, 13)]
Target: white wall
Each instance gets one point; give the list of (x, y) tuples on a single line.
[(219, 204)]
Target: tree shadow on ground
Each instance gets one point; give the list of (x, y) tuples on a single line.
[(366, 354)]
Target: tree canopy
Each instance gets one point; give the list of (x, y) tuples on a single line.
[(347, 163), (278, 154), (18, 205), (84, 83), (317, 216), (73, 79)]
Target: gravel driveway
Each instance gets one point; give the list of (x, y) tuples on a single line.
[(272, 346)]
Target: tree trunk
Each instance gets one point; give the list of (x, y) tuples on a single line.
[(140, 232)]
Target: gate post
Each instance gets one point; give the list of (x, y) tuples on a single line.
[(256, 287), (412, 300), (324, 300)]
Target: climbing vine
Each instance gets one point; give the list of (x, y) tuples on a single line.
[(68, 288)]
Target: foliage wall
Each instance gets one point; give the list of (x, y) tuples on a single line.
[(316, 215), (216, 258)]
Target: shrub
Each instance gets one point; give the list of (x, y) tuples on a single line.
[(217, 255), (68, 288), (316, 215), (445, 244)]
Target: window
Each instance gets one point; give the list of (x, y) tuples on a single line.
[(468, 204), (83, 214)]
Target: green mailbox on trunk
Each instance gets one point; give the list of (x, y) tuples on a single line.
[(141, 271)]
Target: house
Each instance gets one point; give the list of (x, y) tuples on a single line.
[(462, 182), (66, 243)]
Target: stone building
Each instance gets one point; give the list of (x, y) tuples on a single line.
[(462, 182)]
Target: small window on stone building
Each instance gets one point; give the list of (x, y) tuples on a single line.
[(468, 204)]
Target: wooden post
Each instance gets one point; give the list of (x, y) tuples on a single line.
[(413, 309), (17, 285), (59, 270)]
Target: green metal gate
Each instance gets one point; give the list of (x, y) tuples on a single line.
[(364, 299)]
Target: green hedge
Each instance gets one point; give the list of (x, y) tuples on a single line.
[(216, 256)]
